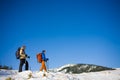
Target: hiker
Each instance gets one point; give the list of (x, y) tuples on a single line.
[(23, 60), (44, 59)]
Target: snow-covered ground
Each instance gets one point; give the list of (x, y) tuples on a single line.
[(36, 75)]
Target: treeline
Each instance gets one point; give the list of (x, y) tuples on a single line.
[(5, 67)]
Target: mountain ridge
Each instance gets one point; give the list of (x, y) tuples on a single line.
[(81, 68)]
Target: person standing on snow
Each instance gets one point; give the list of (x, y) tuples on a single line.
[(44, 59), (23, 60)]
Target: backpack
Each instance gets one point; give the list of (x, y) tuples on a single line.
[(17, 54), (39, 57)]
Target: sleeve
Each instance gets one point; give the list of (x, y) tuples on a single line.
[(43, 57)]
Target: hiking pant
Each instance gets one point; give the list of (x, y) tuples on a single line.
[(22, 62), (43, 66)]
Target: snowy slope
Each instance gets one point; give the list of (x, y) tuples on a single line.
[(36, 75)]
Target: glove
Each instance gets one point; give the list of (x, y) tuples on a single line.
[(47, 59), (28, 56)]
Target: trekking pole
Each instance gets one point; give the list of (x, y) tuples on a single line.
[(29, 67), (29, 64), (47, 66)]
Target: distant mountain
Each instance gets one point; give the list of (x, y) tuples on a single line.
[(5, 67), (80, 68)]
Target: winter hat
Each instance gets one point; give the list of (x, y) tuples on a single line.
[(43, 50), (23, 47)]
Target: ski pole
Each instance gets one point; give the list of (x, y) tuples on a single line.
[(47, 66)]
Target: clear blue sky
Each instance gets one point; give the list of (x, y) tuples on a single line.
[(72, 31)]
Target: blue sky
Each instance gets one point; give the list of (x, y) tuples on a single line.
[(72, 31)]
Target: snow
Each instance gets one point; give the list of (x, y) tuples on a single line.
[(37, 75), (68, 65), (58, 69)]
